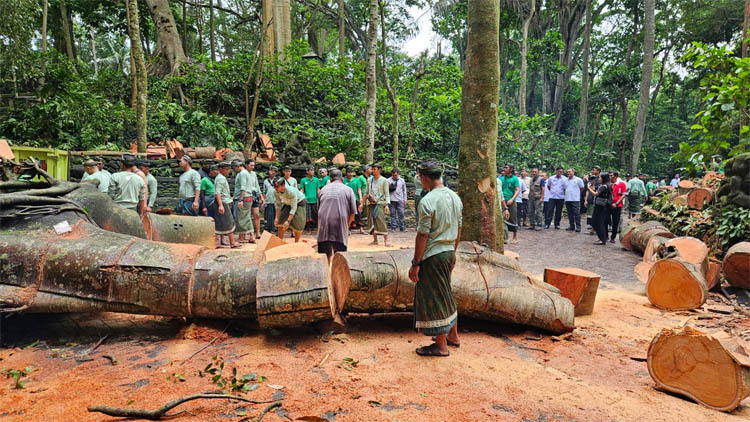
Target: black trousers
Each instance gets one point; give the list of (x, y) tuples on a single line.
[(574, 214), (615, 214), (599, 221), (555, 208)]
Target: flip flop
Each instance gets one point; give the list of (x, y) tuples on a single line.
[(450, 343), (235, 246), (430, 350)]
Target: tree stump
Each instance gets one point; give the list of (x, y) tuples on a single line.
[(579, 286), (180, 229), (737, 265), (685, 186), (713, 370), (699, 197)]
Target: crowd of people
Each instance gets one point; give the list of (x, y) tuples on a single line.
[(537, 201)]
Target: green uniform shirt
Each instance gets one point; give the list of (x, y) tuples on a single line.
[(440, 218), (127, 189), (509, 186), (291, 197), (635, 185), (103, 179), (207, 186), (254, 185), (152, 188), (362, 183), (270, 192), (190, 181), (354, 184), (291, 181), (310, 187), (379, 188), (324, 181), (221, 187), (651, 188), (242, 182)]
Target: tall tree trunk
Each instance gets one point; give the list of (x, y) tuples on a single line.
[(657, 89), (136, 54), (595, 135), (611, 135), (583, 117), (199, 27), (133, 72), (67, 30), (623, 96), (282, 24), (44, 26), (524, 60), (569, 18), (342, 29), (413, 110), (545, 93), (370, 80), (743, 111), (169, 45), (646, 71), (211, 29), (477, 177), (93, 52), (184, 26), (388, 88), (267, 18)]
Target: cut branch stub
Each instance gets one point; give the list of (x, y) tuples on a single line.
[(579, 286)]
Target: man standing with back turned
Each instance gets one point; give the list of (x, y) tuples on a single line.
[(438, 233)]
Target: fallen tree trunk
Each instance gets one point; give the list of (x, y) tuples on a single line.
[(579, 286), (180, 229), (699, 198), (641, 236), (485, 285), (106, 213), (626, 235), (737, 265), (713, 370)]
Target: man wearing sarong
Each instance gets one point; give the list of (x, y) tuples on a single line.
[(292, 210), (364, 181), (223, 219), (208, 191), (637, 195), (269, 200), (378, 198), (243, 203), (189, 195), (310, 186), (438, 233), (255, 193)]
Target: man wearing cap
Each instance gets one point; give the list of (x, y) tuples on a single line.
[(397, 191), (291, 214), (208, 191), (243, 202), (151, 184), (438, 234), (355, 186), (287, 172), (255, 193), (223, 219), (378, 197), (310, 186), (336, 212), (91, 168), (189, 195), (127, 188), (269, 200)]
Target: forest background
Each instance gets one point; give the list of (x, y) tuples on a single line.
[(572, 76)]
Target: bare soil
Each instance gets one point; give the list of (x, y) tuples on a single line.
[(500, 372)]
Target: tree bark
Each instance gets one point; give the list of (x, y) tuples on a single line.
[(136, 54), (282, 24), (342, 29), (370, 81), (184, 26), (595, 135), (169, 45), (211, 31), (524, 59), (133, 72), (44, 26), (477, 178), (197, 230), (413, 110), (584, 112), (268, 20), (569, 18), (743, 111), (388, 88), (623, 96), (647, 70), (67, 30), (93, 52)]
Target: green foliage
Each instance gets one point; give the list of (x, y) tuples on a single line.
[(231, 383), (734, 225), (17, 375)]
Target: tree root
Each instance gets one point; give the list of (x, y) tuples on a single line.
[(162, 411)]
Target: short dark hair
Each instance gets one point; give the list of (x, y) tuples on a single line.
[(430, 168), (248, 161), (510, 166), (615, 173), (559, 168), (395, 170)]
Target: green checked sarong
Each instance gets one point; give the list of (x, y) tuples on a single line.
[(435, 309)]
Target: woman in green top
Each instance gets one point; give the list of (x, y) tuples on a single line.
[(208, 193)]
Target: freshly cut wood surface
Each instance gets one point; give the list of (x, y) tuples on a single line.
[(685, 186), (691, 250), (290, 250), (713, 275), (267, 241), (642, 270), (737, 265), (651, 253), (713, 370), (579, 286), (699, 197), (676, 284)]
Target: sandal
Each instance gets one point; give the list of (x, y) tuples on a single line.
[(450, 343), (235, 246), (430, 350)]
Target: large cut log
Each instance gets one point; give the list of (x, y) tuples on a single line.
[(713, 370), (293, 292), (689, 249), (655, 243), (205, 152), (737, 265), (579, 286), (89, 270), (685, 186), (676, 284), (699, 198), (626, 236), (642, 235), (180, 229), (485, 285), (713, 276)]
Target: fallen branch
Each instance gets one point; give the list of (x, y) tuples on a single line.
[(268, 409), (161, 412)]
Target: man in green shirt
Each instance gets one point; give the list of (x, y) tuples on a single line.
[(438, 234), (636, 192), (223, 219), (91, 168), (287, 172), (310, 185), (511, 189), (292, 210), (208, 193), (189, 195), (255, 192), (151, 184), (324, 177), (243, 203), (378, 197), (127, 188), (269, 200), (651, 189), (355, 184)]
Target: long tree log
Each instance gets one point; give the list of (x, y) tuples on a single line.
[(485, 284), (626, 236), (713, 370), (180, 229), (106, 213), (641, 235), (736, 265)]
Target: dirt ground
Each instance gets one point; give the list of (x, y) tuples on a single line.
[(371, 373)]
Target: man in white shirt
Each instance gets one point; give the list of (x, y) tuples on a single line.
[(573, 200), (676, 181), (524, 212)]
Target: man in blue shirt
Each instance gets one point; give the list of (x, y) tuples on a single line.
[(556, 186), (675, 183), (573, 200)]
